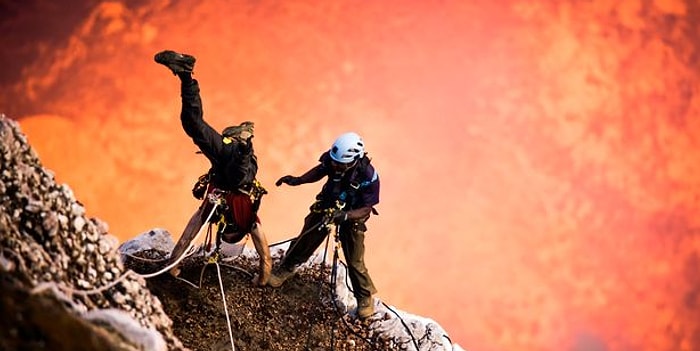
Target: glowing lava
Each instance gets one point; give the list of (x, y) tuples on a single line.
[(538, 158)]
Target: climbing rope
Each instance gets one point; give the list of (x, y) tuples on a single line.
[(214, 259), (333, 284), (334, 271), (347, 284), (320, 293), (190, 248), (144, 259), (71, 291), (334, 297), (313, 227), (223, 297)]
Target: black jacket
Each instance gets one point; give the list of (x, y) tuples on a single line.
[(233, 165)]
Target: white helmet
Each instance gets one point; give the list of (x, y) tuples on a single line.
[(347, 148)]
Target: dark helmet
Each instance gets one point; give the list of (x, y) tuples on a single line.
[(246, 127)]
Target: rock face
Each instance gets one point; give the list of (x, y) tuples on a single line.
[(51, 252)]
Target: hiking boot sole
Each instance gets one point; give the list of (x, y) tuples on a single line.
[(175, 61)]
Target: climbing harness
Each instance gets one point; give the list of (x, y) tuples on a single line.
[(351, 182), (323, 224), (256, 192), (200, 187)]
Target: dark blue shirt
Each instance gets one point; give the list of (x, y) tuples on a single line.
[(341, 186)]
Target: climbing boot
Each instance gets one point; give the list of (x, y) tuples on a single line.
[(175, 61), (365, 307), (279, 277)]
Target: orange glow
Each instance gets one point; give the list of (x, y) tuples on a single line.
[(538, 158)]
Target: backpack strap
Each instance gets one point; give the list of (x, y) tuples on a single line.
[(357, 182)]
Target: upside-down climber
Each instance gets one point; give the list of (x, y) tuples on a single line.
[(348, 197), (233, 168)]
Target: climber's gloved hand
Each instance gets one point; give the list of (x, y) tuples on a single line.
[(289, 180), (340, 217)]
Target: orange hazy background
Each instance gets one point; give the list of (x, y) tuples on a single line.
[(539, 164)]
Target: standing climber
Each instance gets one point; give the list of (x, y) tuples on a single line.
[(349, 195), (233, 166)]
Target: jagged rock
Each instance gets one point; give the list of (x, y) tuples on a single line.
[(157, 239), (43, 322), (47, 242), (145, 339)]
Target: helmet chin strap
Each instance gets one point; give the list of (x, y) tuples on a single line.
[(338, 174)]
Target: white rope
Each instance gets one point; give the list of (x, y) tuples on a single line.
[(40, 287), (188, 282), (144, 259), (189, 251), (43, 286), (223, 296)]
